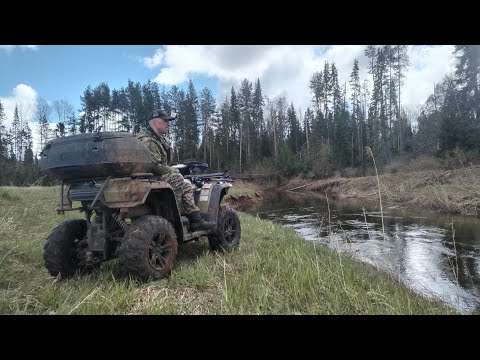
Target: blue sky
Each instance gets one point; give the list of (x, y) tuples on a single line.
[(63, 72)]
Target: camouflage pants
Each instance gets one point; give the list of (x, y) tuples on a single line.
[(183, 192)]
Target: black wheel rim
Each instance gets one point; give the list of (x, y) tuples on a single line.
[(230, 231), (159, 251)]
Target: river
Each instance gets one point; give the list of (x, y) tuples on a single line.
[(436, 255)]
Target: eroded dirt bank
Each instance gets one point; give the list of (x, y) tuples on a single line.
[(452, 191)]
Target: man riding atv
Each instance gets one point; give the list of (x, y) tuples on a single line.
[(133, 203), (160, 153)]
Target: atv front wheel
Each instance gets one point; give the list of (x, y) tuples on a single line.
[(229, 231), (66, 247), (149, 248)]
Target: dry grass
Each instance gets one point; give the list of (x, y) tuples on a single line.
[(452, 191)]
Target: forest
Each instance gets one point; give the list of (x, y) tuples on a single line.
[(248, 133)]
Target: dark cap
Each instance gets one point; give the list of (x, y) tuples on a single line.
[(162, 114)]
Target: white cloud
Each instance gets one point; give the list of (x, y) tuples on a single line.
[(429, 64), (31, 47), (155, 60), (9, 48), (23, 96), (290, 67)]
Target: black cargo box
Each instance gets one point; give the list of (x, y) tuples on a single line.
[(95, 155)]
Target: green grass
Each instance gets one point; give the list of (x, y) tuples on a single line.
[(233, 191), (8, 195), (273, 271)]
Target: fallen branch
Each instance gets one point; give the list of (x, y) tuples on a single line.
[(298, 187)]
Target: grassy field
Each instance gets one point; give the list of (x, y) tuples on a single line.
[(273, 271)]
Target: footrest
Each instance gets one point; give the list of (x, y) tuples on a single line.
[(185, 221)]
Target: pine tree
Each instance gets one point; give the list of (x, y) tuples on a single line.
[(28, 168), (258, 122), (308, 120), (102, 101), (467, 77), (317, 88), (234, 121), (294, 136), (136, 113), (327, 94), (3, 145), (207, 111), (124, 122), (453, 131), (356, 142), (87, 120), (401, 63), (115, 109), (16, 134), (245, 105), (191, 115), (224, 153), (172, 101), (150, 98)]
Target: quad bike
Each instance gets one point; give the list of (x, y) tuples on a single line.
[(129, 214)]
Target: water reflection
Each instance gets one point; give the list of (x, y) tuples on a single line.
[(438, 255)]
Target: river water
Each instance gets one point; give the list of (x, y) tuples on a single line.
[(436, 255)]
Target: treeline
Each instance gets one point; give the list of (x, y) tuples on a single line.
[(18, 165), (248, 133)]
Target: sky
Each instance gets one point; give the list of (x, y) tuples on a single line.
[(63, 72)]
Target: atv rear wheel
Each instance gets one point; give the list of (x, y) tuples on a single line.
[(149, 248), (229, 231), (66, 247)]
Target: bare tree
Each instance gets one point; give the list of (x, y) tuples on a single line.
[(42, 114), (64, 110)]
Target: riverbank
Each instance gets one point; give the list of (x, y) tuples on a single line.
[(453, 191), (273, 271)]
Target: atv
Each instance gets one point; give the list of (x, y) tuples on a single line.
[(129, 213)]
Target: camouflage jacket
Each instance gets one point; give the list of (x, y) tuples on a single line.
[(160, 152)]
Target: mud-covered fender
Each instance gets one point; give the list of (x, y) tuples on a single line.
[(129, 193), (210, 198)]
